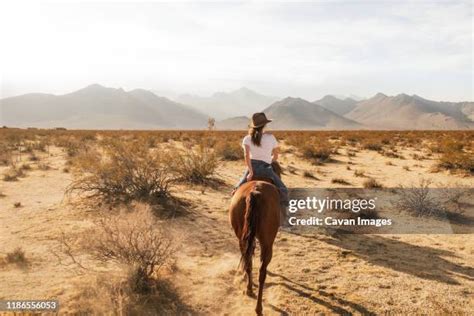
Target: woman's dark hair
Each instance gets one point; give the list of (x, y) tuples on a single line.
[(256, 135)]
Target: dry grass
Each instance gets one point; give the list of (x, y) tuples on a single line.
[(113, 295)]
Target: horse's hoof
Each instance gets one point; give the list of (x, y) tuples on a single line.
[(250, 293), (258, 311)]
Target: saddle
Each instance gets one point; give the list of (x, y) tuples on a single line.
[(263, 179)]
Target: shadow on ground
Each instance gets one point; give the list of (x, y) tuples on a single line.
[(420, 261)]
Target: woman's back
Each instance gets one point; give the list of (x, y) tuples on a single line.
[(264, 151)]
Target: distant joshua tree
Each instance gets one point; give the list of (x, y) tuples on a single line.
[(211, 122)]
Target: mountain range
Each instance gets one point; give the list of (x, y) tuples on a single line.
[(98, 107), (412, 112), (222, 105)]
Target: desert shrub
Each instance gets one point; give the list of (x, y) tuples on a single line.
[(13, 173), (229, 150), (33, 157), (371, 183), (113, 295), (372, 146), (317, 152), (291, 169), (125, 172), (44, 166), (134, 239), (418, 200), (195, 165), (41, 145), (72, 145), (369, 214), (5, 155), (359, 173), (340, 181), (456, 160), (416, 156), (17, 204), (392, 154), (17, 257), (25, 167), (309, 175)]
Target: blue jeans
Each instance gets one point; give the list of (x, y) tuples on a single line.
[(265, 170)]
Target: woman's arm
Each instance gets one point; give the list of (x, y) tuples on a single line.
[(247, 162), (275, 153)]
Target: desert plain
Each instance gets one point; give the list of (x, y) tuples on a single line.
[(51, 210)]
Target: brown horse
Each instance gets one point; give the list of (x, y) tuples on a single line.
[(255, 213)]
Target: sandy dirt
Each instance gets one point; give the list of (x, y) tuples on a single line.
[(318, 274)]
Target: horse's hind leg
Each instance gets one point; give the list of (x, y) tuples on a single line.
[(266, 257), (248, 272)]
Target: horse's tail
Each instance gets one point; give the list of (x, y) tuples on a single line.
[(250, 227)]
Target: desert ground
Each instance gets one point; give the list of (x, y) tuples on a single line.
[(319, 274)]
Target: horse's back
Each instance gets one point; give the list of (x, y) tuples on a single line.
[(268, 206)]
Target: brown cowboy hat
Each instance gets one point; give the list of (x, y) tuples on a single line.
[(259, 119)]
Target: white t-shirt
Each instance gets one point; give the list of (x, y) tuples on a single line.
[(264, 151)]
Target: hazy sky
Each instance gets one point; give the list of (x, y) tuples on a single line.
[(278, 48)]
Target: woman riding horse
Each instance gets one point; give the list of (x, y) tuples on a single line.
[(256, 203), (260, 150)]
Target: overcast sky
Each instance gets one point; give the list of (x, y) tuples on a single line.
[(282, 49)]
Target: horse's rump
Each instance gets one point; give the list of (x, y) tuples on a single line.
[(255, 214)]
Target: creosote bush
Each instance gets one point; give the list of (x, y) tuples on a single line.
[(125, 172), (457, 160), (317, 152), (134, 239), (419, 200), (229, 150), (195, 165)]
